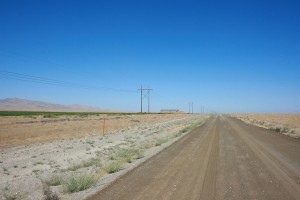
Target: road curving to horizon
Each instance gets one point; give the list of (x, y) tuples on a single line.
[(222, 159)]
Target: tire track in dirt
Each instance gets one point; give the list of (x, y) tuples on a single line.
[(209, 184), (287, 176)]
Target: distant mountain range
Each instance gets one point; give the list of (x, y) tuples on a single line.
[(16, 104)]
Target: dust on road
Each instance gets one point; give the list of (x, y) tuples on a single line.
[(223, 159)]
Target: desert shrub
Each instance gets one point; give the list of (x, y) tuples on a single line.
[(9, 195), (161, 141), (50, 116), (184, 130), (284, 130), (76, 183), (177, 135), (147, 146), (86, 163), (113, 167), (49, 195), (92, 162), (54, 180), (277, 129), (128, 155), (188, 128)]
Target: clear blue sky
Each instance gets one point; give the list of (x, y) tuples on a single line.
[(229, 56)]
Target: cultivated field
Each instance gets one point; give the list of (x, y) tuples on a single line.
[(287, 124), (68, 155)]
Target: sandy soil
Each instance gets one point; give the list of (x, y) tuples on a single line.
[(223, 159), (287, 124), (26, 165)]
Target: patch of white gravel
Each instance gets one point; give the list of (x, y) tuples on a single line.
[(23, 168)]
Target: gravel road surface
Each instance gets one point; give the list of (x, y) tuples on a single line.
[(222, 159)]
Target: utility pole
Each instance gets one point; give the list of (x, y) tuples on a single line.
[(149, 101), (145, 95), (141, 99), (192, 107)]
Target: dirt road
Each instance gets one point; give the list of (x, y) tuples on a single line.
[(223, 159)]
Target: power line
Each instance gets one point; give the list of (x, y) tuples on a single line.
[(48, 81), (40, 61)]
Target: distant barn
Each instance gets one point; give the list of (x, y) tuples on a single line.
[(171, 111)]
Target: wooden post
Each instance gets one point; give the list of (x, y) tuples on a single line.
[(103, 131)]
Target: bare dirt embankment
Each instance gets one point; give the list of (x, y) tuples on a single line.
[(287, 124), (72, 159)]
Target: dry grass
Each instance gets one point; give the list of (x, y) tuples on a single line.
[(292, 120), (27, 130), (288, 124)]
